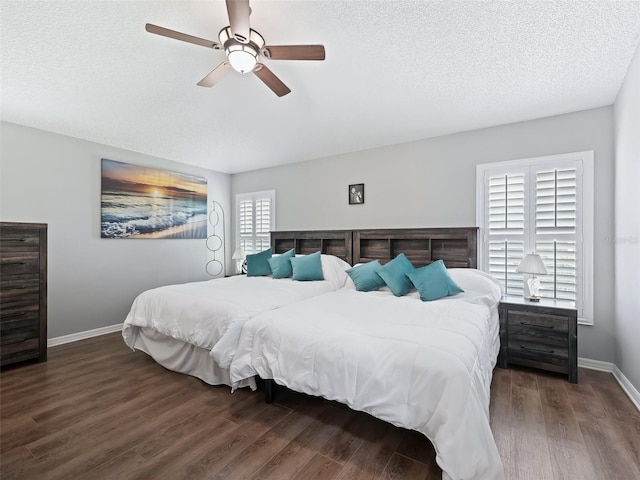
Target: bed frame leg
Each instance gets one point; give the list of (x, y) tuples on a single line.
[(269, 387)]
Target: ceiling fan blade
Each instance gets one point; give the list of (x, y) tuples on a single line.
[(239, 12), (165, 32), (215, 75), (271, 81), (294, 52)]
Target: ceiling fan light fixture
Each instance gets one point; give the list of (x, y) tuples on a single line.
[(243, 57), (242, 60)]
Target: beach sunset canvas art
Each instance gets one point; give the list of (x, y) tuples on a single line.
[(143, 202)]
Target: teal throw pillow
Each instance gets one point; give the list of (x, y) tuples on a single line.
[(394, 275), (258, 264), (365, 277), (281, 265), (434, 282), (307, 267)]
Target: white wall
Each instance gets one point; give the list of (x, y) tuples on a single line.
[(55, 179), (431, 183), (627, 224)]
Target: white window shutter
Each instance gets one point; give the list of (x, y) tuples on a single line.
[(506, 229), (255, 220)]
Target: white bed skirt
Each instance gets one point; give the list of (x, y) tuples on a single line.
[(182, 357)]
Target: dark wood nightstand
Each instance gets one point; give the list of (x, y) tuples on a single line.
[(539, 334)]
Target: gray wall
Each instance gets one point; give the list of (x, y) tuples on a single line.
[(627, 225), (55, 179), (432, 183)]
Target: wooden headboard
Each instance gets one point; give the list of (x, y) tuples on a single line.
[(457, 247), (330, 242)]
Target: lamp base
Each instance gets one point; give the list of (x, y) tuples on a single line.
[(533, 299)]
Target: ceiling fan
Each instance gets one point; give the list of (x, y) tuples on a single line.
[(243, 47)]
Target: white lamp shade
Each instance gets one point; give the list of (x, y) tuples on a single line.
[(238, 254), (532, 263)]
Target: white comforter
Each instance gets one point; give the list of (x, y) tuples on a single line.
[(425, 366), (211, 314)]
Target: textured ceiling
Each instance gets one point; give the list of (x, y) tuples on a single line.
[(395, 71)]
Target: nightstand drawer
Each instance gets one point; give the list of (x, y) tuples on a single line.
[(535, 355), (538, 335), (541, 322)]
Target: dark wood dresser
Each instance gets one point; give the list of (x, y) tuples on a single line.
[(23, 292), (541, 334)]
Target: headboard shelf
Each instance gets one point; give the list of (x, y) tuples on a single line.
[(457, 247), (330, 242)]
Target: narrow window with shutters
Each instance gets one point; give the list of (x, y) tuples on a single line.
[(538, 205), (255, 220)]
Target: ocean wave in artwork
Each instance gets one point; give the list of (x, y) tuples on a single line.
[(146, 219), (141, 226)]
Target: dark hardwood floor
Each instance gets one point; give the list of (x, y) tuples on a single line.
[(96, 410)]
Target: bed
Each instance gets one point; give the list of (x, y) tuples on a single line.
[(193, 328), (425, 366)]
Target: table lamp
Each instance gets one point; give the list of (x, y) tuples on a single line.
[(238, 256), (532, 264)]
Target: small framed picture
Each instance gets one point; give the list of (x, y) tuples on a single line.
[(356, 193)]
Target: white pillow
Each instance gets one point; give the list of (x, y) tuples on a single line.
[(334, 270), (472, 280)]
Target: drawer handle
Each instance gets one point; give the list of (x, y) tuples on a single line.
[(9, 240), (13, 263), (539, 350), (529, 324), (12, 315)]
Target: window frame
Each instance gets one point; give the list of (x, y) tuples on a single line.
[(253, 196), (584, 164)]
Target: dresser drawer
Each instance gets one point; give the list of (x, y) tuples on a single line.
[(19, 306), (14, 288), (19, 263), (19, 330), (17, 239), (17, 352)]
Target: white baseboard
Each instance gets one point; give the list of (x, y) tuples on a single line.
[(74, 337), (627, 386), (595, 365), (609, 367)]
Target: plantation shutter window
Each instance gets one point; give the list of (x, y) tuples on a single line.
[(538, 205), (255, 220)]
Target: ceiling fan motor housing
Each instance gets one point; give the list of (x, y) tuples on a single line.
[(243, 57)]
